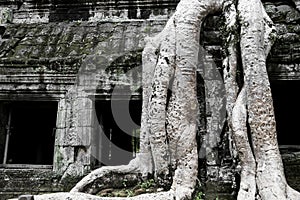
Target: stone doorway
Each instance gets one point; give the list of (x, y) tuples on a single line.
[(287, 108), (119, 135)]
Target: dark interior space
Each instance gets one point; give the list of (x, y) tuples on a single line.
[(286, 104), (120, 130), (3, 127), (68, 11), (31, 126)]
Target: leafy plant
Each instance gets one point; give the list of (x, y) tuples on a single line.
[(130, 193), (199, 196), (147, 184)]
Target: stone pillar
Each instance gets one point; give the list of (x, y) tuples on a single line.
[(75, 120), (215, 113)]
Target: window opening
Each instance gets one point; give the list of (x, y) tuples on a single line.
[(7, 131), (27, 132)]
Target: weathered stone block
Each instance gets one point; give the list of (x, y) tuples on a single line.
[(83, 155), (88, 79), (59, 136), (74, 170), (293, 16), (281, 29), (290, 37), (85, 103), (218, 187), (219, 196), (63, 156), (61, 120), (85, 135), (86, 117), (71, 137)]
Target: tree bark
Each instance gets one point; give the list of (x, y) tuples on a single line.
[(270, 179), (262, 169), (169, 63)]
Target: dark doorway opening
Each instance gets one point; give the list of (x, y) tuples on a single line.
[(119, 135), (29, 132), (287, 108)]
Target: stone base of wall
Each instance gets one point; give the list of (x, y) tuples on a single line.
[(220, 191), (226, 190), (291, 161), (16, 182)]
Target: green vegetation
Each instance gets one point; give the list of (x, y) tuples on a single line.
[(147, 186), (199, 196)]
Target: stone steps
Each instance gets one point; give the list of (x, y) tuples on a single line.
[(15, 182)]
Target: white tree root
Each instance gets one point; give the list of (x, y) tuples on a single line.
[(270, 178), (267, 179), (84, 196), (256, 42), (230, 67), (102, 177), (247, 189), (236, 108)]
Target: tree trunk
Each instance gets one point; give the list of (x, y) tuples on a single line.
[(168, 146), (262, 169)]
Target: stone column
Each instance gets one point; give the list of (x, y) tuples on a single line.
[(75, 120)]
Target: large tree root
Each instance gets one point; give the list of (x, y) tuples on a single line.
[(108, 176), (84, 196), (255, 44), (262, 175), (247, 189)]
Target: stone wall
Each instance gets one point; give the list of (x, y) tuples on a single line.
[(43, 11), (52, 54), (76, 52), (69, 63)]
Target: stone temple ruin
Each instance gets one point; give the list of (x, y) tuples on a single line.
[(70, 70)]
